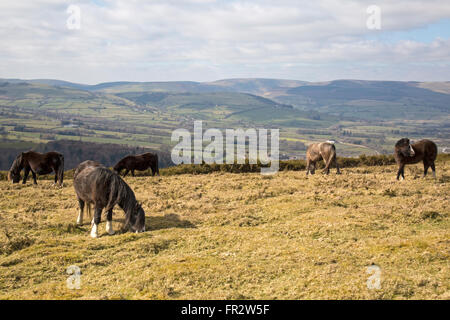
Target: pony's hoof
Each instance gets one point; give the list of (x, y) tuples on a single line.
[(94, 232), (109, 228)]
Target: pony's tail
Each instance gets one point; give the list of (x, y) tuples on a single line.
[(89, 210), (157, 164)]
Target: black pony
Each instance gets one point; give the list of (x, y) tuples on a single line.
[(37, 163), (104, 189)]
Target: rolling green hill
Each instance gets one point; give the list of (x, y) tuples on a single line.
[(362, 116)]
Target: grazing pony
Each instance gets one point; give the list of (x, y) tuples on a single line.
[(139, 162), (84, 164), (81, 167), (104, 189), (406, 153), (319, 151), (37, 163)]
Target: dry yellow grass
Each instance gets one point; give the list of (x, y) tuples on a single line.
[(237, 236)]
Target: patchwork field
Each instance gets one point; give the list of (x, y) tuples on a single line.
[(237, 236)]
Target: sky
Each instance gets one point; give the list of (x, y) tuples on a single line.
[(207, 40)]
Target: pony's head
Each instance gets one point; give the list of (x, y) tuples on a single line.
[(403, 147), (117, 168), (136, 219), (16, 167)]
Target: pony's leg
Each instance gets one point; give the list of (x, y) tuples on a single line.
[(313, 171), (80, 214), (337, 166), (97, 218), (26, 173), (132, 173), (425, 168), (307, 166), (61, 177), (109, 226), (126, 172), (34, 177), (89, 212), (61, 173), (400, 170), (433, 168)]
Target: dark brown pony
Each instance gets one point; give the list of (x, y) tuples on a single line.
[(37, 163), (325, 151), (81, 167), (407, 153), (140, 162), (104, 189), (84, 164)]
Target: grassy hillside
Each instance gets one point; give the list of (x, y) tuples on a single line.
[(237, 236)]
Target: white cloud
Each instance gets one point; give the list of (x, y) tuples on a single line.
[(209, 39)]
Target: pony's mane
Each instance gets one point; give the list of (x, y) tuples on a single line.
[(120, 192), (16, 164)]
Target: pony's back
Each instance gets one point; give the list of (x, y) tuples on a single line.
[(99, 185)]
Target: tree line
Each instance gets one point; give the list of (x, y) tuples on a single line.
[(78, 151)]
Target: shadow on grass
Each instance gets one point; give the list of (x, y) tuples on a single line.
[(167, 221), (152, 223)]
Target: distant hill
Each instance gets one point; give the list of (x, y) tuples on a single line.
[(362, 116), (359, 99)]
